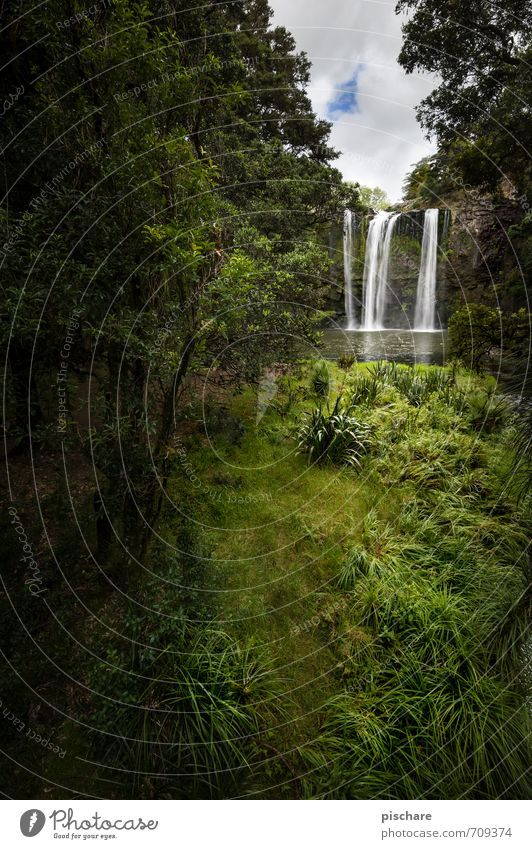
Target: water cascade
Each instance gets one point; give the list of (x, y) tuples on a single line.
[(381, 297), (446, 225), (348, 269), (425, 314), (375, 269), (423, 225)]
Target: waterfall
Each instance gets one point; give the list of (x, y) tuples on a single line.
[(381, 296), (348, 269), (381, 231), (376, 269), (425, 315)]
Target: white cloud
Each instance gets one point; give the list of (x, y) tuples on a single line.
[(381, 139)]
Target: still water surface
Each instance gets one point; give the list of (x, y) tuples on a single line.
[(403, 346)]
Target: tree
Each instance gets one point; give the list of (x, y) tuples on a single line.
[(374, 198), (132, 166), (481, 51), (475, 331)]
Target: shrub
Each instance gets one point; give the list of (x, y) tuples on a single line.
[(365, 391), (486, 411), (357, 564), (334, 436), (474, 331), (346, 362), (321, 379)]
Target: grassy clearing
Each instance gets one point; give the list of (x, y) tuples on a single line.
[(315, 628), (390, 597)]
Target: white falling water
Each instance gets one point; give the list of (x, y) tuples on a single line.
[(381, 297), (425, 314), (374, 270), (348, 269)]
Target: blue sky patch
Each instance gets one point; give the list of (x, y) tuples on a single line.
[(345, 100)]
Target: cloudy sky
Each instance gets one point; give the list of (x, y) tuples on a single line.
[(358, 85)]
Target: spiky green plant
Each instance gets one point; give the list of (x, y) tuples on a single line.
[(415, 384), (357, 564), (346, 362), (321, 379), (485, 410), (365, 391), (421, 731), (334, 436)]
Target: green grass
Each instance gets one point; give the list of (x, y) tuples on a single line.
[(334, 570), (381, 607)]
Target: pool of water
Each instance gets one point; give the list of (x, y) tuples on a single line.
[(403, 346)]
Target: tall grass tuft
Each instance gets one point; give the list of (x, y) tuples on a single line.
[(365, 391), (321, 379), (333, 436)]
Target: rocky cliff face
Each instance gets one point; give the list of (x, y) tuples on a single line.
[(482, 258)]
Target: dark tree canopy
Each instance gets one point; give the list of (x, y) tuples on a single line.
[(481, 51), (479, 113), (147, 158)]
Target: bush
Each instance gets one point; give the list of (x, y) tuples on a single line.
[(486, 411), (335, 436), (358, 564), (474, 332), (321, 379), (346, 362), (365, 391), (414, 384)]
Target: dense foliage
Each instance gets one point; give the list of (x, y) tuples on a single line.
[(481, 51), (145, 174), (480, 118), (148, 150), (413, 619)]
